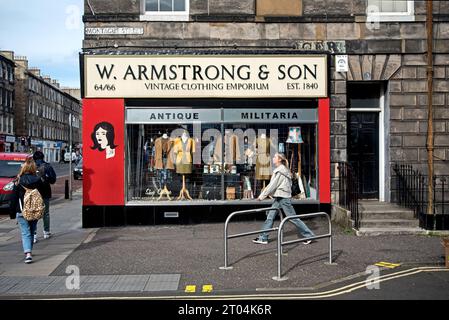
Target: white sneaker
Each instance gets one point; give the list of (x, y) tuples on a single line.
[(260, 241), (28, 258), (47, 235), (35, 239), (309, 241)]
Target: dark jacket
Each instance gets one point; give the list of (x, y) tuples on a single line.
[(48, 175), (29, 181)]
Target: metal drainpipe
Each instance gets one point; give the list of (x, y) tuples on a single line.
[(430, 141)]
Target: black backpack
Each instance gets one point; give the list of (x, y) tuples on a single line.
[(47, 172), (295, 184)]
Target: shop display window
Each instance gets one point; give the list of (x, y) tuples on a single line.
[(221, 161)]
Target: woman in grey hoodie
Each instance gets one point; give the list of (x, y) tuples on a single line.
[(280, 187)]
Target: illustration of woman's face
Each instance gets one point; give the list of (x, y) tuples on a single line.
[(102, 140)]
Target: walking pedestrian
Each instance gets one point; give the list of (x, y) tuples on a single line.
[(26, 178), (280, 187), (46, 172)]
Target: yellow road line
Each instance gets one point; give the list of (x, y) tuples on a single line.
[(207, 288), (387, 264), (190, 289)]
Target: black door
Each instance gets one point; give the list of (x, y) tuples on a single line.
[(363, 151)]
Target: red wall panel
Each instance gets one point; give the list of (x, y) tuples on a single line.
[(324, 150), (103, 161)]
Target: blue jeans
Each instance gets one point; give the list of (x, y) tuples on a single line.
[(286, 205), (163, 176), (46, 216), (28, 228)]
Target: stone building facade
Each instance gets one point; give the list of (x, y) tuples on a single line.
[(384, 89), (42, 112), (7, 137)]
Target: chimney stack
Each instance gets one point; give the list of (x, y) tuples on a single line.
[(35, 71), (55, 83)]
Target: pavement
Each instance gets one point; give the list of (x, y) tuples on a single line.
[(183, 261)]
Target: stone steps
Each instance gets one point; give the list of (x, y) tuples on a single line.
[(389, 231), (387, 214), (389, 223), (380, 218)]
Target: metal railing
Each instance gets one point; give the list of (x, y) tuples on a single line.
[(410, 190), (349, 191), (281, 243), (227, 237)]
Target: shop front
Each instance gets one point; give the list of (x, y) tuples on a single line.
[(7, 143), (191, 138)]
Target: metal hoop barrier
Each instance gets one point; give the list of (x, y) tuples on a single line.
[(226, 236), (281, 243)]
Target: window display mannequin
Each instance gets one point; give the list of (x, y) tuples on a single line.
[(247, 191), (263, 159), (163, 163), (183, 149), (232, 153), (249, 154)]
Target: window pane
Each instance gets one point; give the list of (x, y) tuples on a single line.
[(166, 5), (400, 6), (364, 95), (151, 5), (389, 5), (375, 3), (180, 5), (386, 6)]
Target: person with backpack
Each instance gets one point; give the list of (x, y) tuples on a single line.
[(280, 187), (27, 204), (47, 174)]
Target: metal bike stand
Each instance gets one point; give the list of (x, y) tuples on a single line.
[(226, 236), (282, 243)]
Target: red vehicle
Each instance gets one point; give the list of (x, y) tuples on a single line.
[(10, 164)]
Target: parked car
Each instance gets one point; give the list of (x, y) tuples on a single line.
[(10, 164), (78, 170), (67, 157)]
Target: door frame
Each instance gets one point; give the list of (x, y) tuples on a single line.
[(382, 142)]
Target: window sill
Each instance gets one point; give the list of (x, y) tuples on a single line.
[(391, 18), (165, 17)]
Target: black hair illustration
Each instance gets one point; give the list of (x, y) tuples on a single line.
[(110, 135)]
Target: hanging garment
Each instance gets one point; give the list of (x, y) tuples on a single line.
[(232, 154), (263, 159)]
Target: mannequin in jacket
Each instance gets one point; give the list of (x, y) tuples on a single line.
[(163, 163), (183, 149)]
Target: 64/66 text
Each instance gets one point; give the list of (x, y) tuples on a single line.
[(104, 87)]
